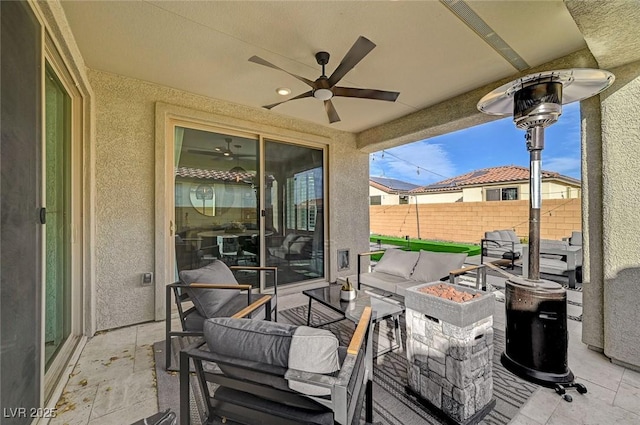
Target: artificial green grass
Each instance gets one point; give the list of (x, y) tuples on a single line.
[(418, 244)]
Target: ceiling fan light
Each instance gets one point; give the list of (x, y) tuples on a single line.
[(227, 153), (323, 94)]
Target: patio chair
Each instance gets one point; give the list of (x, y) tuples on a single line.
[(213, 291), (279, 374), (503, 244)]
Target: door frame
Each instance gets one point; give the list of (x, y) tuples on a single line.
[(166, 118), (53, 59)]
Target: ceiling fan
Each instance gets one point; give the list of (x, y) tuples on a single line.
[(324, 88), (222, 152)]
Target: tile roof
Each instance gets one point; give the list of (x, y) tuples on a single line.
[(391, 185), (228, 176), (505, 173)]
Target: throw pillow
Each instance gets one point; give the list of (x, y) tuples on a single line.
[(434, 266), (209, 301), (507, 237), (313, 350), (397, 262)]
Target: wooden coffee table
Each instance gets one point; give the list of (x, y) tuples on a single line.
[(383, 307)]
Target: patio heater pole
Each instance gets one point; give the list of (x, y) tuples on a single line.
[(535, 144)]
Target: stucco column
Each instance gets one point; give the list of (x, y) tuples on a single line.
[(620, 222), (592, 273)]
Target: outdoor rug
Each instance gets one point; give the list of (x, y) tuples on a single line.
[(393, 405)]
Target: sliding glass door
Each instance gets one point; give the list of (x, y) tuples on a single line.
[(227, 209), (216, 200), (58, 216), (294, 211)]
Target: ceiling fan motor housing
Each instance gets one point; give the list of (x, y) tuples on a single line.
[(538, 104), (322, 58)]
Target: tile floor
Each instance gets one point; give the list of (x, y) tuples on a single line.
[(113, 382)]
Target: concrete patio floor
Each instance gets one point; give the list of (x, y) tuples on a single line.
[(114, 380)]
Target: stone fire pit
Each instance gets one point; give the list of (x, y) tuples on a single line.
[(450, 350)]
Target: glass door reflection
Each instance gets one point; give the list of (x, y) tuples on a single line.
[(216, 201), (294, 211)]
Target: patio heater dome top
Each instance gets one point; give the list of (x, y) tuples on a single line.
[(577, 84)]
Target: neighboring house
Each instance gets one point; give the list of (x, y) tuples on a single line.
[(384, 191), (505, 183)]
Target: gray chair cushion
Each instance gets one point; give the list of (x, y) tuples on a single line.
[(239, 302), (194, 321), (254, 340), (510, 235), (286, 242), (209, 301), (575, 239), (433, 266), (279, 344), (494, 239), (552, 244), (383, 281), (299, 244), (397, 262)]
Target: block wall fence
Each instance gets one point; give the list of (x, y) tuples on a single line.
[(467, 221)]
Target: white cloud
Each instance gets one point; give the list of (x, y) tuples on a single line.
[(432, 157), (564, 165)]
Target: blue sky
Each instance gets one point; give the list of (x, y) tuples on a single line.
[(488, 145)]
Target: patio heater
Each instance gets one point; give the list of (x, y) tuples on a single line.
[(536, 310)]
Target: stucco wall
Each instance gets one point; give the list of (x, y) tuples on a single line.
[(472, 194), (385, 198), (438, 198), (620, 224), (125, 184), (467, 221)]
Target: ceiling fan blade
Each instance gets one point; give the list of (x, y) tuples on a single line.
[(331, 112), (390, 96), (358, 51), (204, 152), (260, 61), (300, 96)]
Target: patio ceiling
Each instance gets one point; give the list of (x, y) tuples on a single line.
[(424, 50)]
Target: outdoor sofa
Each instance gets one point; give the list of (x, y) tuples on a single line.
[(557, 258), (398, 270)]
